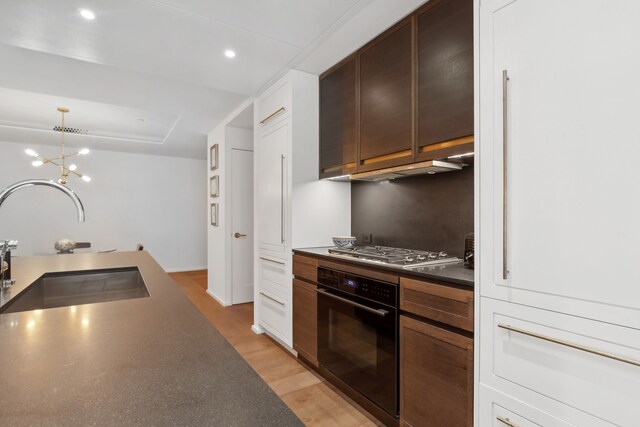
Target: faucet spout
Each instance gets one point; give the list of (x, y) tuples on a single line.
[(29, 182), (7, 245)]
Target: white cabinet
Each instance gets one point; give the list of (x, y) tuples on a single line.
[(559, 203), (572, 190), (499, 410), (572, 367), (293, 208), (274, 105), (272, 194)]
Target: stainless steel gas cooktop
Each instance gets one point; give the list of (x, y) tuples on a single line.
[(399, 257)]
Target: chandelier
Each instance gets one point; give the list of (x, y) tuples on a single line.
[(60, 161)]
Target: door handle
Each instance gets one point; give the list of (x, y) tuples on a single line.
[(507, 422), (282, 207), (569, 344), (379, 312), (505, 117), (238, 235)]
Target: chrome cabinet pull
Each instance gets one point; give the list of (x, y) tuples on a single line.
[(380, 312), (569, 344), (270, 116), (505, 104), (272, 298), (507, 421), (282, 166), (276, 261)]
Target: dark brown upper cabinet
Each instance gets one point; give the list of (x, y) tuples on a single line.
[(338, 138), (386, 99), (405, 97), (444, 50)]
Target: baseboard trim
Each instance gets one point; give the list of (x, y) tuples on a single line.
[(215, 297), (185, 270), (257, 329)]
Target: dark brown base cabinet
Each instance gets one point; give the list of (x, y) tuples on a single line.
[(436, 376), (305, 303), (436, 342), (305, 324)]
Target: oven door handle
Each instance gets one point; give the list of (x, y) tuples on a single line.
[(379, 312)]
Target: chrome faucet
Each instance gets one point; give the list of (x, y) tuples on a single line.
[(7, 245)]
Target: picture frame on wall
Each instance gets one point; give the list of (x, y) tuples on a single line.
[(213, 156), (214, 214), (214, 184)]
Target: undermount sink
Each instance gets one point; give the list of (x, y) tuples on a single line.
[(79, 287)]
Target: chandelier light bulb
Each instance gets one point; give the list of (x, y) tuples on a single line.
[(73, 167), (37, 163), (86, 178), (84, 151), (30, 152)]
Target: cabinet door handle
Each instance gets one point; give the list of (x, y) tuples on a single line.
[(505, 104), (272, 298), (282, 170), (569, 344), (276, 261), (507, 422), (380, 312), (270, 116)]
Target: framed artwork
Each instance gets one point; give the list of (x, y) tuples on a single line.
[(214, 184), (214, 214), (213, 155)]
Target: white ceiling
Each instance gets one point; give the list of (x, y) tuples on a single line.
[(165, 59)]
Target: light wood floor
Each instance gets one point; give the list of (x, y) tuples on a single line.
[(309, 396)]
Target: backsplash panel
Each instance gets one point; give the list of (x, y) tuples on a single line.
[(429, 212)]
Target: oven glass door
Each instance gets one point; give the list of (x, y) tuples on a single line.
[(358, 345)]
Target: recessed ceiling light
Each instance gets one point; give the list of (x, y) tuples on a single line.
[(229, 53), (87, 14)]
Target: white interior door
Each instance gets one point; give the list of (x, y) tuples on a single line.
[(242, 225)]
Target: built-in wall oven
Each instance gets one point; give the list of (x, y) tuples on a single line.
[(358, 335)]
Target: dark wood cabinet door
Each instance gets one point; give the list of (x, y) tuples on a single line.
[(444, 45), (338, 143), (436, 376), (305, 323), (386, 99)]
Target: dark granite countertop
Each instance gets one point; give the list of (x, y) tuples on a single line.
[(448, 273), (146, 361)]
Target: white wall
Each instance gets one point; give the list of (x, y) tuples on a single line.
[(133, 198), (219, 260)]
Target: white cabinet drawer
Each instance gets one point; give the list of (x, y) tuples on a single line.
[(275, 270), (275, 312), (543, 356), (499, 410), (274, 105)]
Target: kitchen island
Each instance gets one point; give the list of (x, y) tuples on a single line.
[(143, 361)]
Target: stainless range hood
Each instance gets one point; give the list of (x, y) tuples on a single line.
[(429, 167)]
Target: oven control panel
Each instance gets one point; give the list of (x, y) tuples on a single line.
[(365, 287)]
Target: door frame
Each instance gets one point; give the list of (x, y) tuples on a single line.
[(233, 144), (229, 211)]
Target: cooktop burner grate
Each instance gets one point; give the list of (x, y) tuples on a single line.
[(395, 256)]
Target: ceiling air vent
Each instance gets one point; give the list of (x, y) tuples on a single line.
[(71, 130)]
